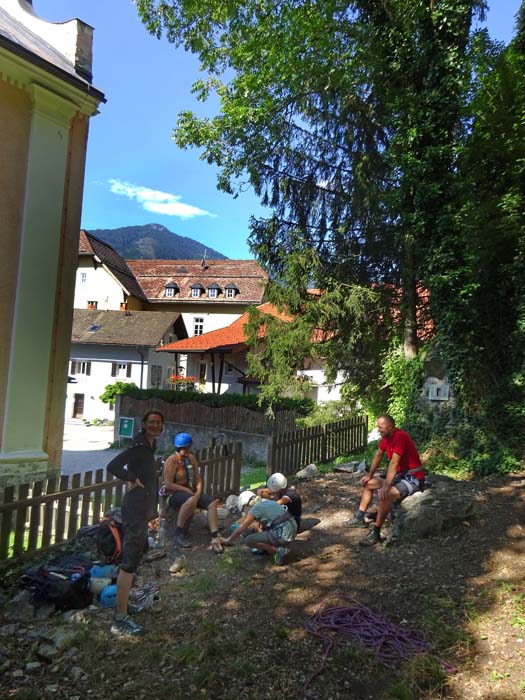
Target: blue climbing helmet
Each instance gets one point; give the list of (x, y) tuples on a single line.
[(182, 440)]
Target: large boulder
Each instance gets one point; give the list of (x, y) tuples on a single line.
[(444, 504)]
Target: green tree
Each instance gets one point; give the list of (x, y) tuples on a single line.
[(352, 120), (113, 390)]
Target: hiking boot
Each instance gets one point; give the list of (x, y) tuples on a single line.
[(371, 539), (125, 627), (356, 522), (181, 541), (278, 557)]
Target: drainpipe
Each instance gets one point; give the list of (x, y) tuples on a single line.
[(141, 367)]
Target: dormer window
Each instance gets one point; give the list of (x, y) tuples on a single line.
[(214, 290), (171, 289), (231, 291), (196, 290)]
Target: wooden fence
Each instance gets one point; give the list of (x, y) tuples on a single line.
[(290, 451), (43, 514)]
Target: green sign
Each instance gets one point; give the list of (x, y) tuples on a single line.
[(125, 428)]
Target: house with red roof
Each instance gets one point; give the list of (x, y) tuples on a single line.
[(217, 360)]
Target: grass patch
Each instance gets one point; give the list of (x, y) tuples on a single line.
[(441, 621), (201, 584), (186, 653), (231, 561), (254, 476)]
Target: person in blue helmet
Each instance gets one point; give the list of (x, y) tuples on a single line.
[(182, 480)]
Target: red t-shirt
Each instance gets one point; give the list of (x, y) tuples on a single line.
[(402, 444)]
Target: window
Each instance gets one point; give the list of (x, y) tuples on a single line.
[(228, 370), (229, 293), (212, 293), (121, 369), (92, 304), (80, 367), (156, 375), (195, 292), (170, 292), (198, 325), (83, 277)]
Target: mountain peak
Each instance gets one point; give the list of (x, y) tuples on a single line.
[(155, 242)]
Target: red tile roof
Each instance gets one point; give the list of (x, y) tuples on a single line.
[(137, 328), (230, 338), (247, 275)]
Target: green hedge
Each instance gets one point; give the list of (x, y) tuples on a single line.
[(301, 406)]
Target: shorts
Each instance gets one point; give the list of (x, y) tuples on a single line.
[(280, 535), (135, 521), (406, 484), (177, 499)]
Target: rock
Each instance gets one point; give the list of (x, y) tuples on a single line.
[(18, 673), (77, 673), (62, 638), (20, 607), (446, 504), (8, 630), (47, 652), (33, 666), (308, 472)]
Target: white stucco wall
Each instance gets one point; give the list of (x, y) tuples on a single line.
[(98, 285), (102, 358), (212, 320)]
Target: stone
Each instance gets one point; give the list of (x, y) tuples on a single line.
[(32, 666), (444, 505), (19, 608), (62, 638), (8, 630), (308, 472), (47, 652), (18, 673)]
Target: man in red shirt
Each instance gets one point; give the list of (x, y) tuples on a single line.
[(405, 476)]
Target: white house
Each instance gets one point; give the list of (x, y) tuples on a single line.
[(218, 361), (111, 346)]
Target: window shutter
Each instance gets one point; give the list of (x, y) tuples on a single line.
[(128, 370), (88, 368), (113, 369), (73, 367)]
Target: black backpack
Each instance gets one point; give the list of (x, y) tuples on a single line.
[(110, 534), (63, 582)]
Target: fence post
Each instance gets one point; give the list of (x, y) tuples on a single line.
[(269, 458), (324, 443)]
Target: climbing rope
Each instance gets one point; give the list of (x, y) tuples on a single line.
[(389, 644)]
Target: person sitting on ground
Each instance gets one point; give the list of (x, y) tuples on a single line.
[(276, 526), (138, 467), (404, 476), (182, 479), (277, 489)]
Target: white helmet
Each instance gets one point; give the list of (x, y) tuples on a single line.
[(245, 498), (276, 482)]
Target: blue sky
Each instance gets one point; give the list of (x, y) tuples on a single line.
[(134, 173)]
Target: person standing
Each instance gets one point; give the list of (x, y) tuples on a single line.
[(404, 476), (137, 466)]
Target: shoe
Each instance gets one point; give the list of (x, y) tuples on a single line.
[(356, 522), (181, 541), (371, 539), (125, 627), (178, 564), (216, 545), (278, 557)]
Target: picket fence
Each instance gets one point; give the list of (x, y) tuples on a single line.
[(43, 514), (288, 452)]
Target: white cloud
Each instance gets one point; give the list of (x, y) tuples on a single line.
[(156, 201)]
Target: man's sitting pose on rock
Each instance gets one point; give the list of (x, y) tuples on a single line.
[(405, 476), (182, 479)]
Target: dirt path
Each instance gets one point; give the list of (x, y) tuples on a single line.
[(232, 626)]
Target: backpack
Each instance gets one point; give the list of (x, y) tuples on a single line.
[(110, 534), (63, 582)]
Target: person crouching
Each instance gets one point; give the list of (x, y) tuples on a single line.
[(276, 526)]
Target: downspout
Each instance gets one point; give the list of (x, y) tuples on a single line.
[(141, 367), (212, 373)]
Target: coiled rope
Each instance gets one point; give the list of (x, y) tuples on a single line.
[(389, 643)]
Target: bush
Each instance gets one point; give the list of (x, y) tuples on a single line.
[(302, 406)]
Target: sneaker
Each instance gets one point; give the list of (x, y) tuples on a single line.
[(371, 539), (181, 541), (216, 545), (356, 522), (125, 627), (278, 557)]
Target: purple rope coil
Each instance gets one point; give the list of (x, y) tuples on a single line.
[(389, 643)]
